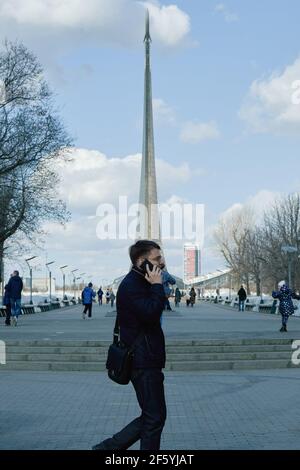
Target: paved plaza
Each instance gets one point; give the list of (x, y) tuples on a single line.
[(206, 410), (211, 410), (204, 321)]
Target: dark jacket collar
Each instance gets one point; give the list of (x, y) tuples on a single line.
[(138, 273)]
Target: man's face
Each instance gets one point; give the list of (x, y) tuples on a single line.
[(155, 257), (15, 273)]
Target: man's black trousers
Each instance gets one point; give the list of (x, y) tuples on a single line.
[(88, 308), (8, 314), (149, 388)]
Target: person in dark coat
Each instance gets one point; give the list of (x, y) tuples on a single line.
[(6, 303), (100, 295), (140, 303), (286, 306), (87, 296), (107, 296), (167, 280), (177, 297), (112, 298), (242, 294), (14, 288), (192, 294)]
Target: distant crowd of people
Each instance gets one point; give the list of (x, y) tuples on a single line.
[(13, 294), (88, 295)]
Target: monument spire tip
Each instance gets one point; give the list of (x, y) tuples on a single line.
[(147, 33)]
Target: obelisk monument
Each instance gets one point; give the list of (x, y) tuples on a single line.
[(149, 218)]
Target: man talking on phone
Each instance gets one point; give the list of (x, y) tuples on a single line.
[(140, 303)]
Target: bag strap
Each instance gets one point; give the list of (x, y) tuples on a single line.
[(117, 333)]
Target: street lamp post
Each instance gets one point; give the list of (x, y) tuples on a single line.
[(2, 277), (82, 274), (230, 286), (64, 279), (261, 261), (77, 279), (74, 281), (289, 250), (30, 273), (50, 279), (2, 274)]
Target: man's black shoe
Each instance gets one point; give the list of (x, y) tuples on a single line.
[(282, 329), (100, 446)]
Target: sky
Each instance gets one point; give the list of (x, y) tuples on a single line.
[(226, 100)]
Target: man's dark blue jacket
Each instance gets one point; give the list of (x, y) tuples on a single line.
[(139, 306), (14, 287)]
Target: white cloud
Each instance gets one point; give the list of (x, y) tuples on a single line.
[(193, 132), (170, 24), (229, 16), (262, 201), (257, 204), (120, 21), (269, 106), (163, 112), (93, 178)]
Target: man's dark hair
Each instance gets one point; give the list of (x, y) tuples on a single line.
[(141, 248), (16, 272)]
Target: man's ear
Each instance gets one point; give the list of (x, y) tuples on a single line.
[(139, 261)]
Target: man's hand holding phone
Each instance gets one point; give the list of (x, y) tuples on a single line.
[(154, 276)]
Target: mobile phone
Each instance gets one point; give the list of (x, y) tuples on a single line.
[(144, 264)]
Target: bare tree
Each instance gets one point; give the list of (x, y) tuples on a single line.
[(32, 140), (254, 251), (30, 128), (231, 236), (30, 199), (282, 227)]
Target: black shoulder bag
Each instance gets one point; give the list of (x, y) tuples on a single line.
[(120, 357)]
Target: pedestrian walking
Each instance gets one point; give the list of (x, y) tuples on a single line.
[(14, 289), (107, 296), (177, 297), (286, 306), (87, 296), (6, 303), (140, 303), (112, 298), (242, 294), (100, 295), (167, 279), (192, 297)]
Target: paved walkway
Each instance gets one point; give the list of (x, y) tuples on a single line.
[(206, 410), (204, 321), (211, 410)]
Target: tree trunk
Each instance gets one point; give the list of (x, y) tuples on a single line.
[(248, 285), (257, 282), (2, 280)]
